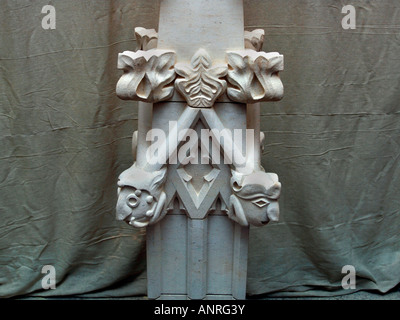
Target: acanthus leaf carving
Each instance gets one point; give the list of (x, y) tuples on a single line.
[(254, 76), (200, 82), (148, 75)]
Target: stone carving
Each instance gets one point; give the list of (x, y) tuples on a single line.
[(255, 198), (201, 83), (141, 196), (146, 38), (254, 76), (254, 39), (148, 75), (197, 242)]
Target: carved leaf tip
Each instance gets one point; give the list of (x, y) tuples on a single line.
[(201, 83), (146, 38), (254, 39)]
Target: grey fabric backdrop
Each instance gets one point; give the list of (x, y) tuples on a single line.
[(65, 137)]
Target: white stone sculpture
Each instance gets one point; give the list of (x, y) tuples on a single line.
[(201, 72)]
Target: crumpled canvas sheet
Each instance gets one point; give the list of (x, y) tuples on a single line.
[(333, 140)]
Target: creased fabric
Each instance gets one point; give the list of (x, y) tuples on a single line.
[(333, 140)]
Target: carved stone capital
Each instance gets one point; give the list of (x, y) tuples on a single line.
[(148, 75), (201, 83), (254, 76), (254, 200)]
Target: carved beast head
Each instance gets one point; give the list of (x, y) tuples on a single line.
[(255, 198), (140, 196)]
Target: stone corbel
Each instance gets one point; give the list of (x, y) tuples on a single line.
[(148, 75)]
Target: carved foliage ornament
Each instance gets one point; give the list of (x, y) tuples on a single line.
[(148, 75), (254, 76), (201, 83)]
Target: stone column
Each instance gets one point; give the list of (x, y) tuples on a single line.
[(197, 183)]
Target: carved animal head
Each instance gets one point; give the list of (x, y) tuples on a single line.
[(140, 196), (255, 198)]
